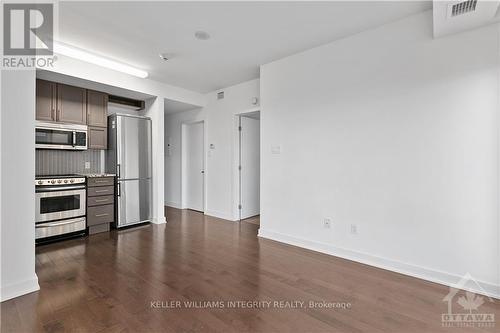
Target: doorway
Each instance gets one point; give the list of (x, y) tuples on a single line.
[(249, 167), (193, 166)]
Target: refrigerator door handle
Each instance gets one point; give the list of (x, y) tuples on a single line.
[(118, 169), (119, 189)]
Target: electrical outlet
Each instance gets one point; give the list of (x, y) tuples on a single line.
[(354, 229), (327, 223), (87, 165)]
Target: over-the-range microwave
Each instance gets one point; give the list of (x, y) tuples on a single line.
[(60, 136)]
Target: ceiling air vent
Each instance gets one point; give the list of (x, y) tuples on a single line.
[(220, 95), (463, 7)]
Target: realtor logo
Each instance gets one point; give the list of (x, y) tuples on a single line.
[(467, 313), (28, 29)]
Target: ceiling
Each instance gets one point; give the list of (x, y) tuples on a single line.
[(172, 106), (244, 35)]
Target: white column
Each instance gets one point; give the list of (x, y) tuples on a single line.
[(155, 110), (17, 177)]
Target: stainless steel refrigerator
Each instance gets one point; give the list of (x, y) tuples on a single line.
[(129, 157)]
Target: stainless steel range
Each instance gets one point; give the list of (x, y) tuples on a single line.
[(60, 205)]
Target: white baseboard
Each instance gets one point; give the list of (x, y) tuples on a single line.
[(448, 279), (18, 289), (220, 215), (173, 204), (159, 220)]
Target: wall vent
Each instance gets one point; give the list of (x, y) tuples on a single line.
[(463, 7), (127, 103), (220, 95)]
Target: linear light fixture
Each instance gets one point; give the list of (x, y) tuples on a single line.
[(74, 52)]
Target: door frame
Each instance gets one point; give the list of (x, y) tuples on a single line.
[(183, 163), (236, 161)]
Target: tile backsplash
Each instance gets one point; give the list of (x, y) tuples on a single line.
[(58, 162)]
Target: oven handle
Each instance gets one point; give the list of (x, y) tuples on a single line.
[(60, 188)]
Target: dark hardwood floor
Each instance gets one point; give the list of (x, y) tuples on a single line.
[(107, 283), (253, 219)]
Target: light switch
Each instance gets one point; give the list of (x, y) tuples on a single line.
[(87, 165), (276, 149)]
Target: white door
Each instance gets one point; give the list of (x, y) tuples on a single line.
[(194, 166), (250, 167)]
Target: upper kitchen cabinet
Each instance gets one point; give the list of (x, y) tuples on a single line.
[(71, 104), (97, 108), (46, 100)]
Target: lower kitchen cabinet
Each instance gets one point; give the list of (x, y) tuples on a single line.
[(100, 214), (100, 203)]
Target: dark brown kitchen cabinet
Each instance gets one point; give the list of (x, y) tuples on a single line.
[(58, 102), (97, 109), (98, 137), (71, 104), (46, 100), (100, 203)]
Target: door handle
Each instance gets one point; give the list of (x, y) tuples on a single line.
[(119, 189), (118, 170), (202, 171), (102, 215)]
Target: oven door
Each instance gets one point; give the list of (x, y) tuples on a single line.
[(56, 203)]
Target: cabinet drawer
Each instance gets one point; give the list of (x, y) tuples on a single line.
[(99, 201), (101, 181), (100, 214), (101, 190)]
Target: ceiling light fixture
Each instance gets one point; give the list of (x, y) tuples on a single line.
[(201, 35), (74, 52)]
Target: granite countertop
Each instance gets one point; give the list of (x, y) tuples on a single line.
[(97, 175)]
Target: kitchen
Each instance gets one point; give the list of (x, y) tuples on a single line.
[(93, 163)]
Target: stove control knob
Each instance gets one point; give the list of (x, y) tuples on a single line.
[(65, 181), (72, 181), (52, 181), (59, 181), (40, 182)]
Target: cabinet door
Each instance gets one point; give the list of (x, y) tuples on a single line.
[(45, 100), (71, 104), (98, 137), (97, 108)]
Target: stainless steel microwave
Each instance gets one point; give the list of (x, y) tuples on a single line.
[(60, 136)]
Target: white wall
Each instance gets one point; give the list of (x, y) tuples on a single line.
[(173, 123), (397, 133), (221, 172), (17, 217), (220, 129)]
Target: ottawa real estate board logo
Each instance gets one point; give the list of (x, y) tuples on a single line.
[(465, 308), (28, 30)]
